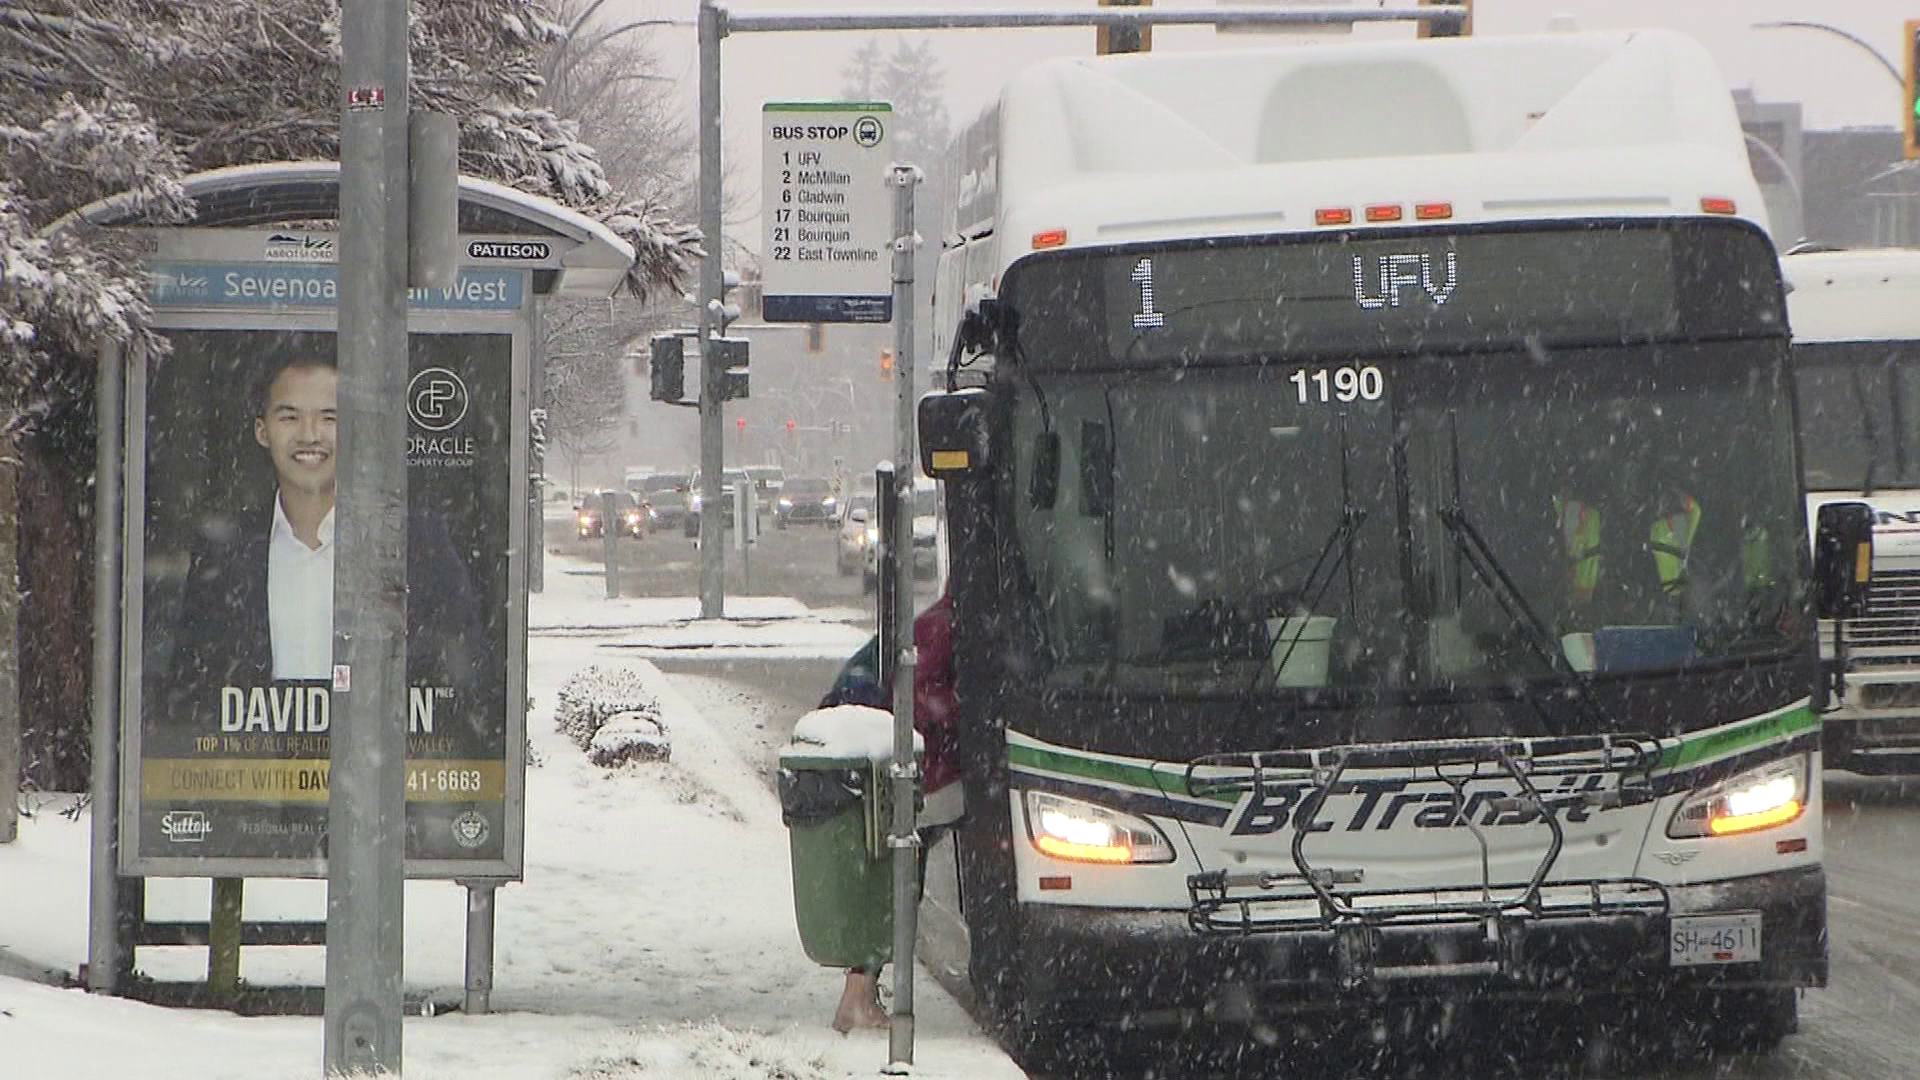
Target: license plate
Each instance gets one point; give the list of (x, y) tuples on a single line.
[(1693, 940)]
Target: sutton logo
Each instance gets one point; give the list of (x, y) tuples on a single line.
[(437, 399), (185, 826)]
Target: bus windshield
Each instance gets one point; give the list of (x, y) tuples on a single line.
[(1859, 402), (1399, 521)]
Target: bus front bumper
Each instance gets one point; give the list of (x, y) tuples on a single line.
[(1081, 962)]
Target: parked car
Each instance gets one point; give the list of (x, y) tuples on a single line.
[(588, 516), (857, 533), (806, 500)]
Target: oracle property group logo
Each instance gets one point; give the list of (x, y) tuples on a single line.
[(437, 399)]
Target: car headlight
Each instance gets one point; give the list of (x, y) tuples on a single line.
[(586, 520), (829, 502), (1759, 798), (694, 503), (786, 504), (1079, 831)]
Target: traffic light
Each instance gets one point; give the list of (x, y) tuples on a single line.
[(722, 312), (1910, 119), (727, 364), (1123, 39), (668, 366)]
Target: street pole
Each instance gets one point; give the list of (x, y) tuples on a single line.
[(366, 805), (713, 547), (105, 961), (905, 838)]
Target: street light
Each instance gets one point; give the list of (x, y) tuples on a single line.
[(1801, 24)]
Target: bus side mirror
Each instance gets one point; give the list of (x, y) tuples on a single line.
[(953, 434), (1842, 559)]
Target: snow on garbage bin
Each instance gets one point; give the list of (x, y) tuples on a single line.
[(835, 797)]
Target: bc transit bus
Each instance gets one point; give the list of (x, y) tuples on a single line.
[(1380, 574), (1856, 362)]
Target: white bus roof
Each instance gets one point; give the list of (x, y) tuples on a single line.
[(1871, 294), (1159, 146)]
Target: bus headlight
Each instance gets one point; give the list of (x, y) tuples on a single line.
[(1083, 832), (1759, 798)]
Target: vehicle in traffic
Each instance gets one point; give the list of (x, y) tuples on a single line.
[(1856, 362), (1380, 578), (926, 537), (858, 532), (768, 481), (806, 500), (730, 483), (590, 515), (651, 482), (666, 509)]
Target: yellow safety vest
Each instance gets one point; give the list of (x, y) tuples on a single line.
[(1671, 540), (1580, 532)]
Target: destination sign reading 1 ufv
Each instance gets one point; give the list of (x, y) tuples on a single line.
[(827, 212)]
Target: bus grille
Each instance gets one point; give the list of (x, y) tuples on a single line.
[(1893, 615)]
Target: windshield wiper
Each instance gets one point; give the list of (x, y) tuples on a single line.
[(1487, 568), (1867, 429), (1320, 577)]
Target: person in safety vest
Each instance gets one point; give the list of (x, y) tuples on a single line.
[(933, 717), (1670, 539)]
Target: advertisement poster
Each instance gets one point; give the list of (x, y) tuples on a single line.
[(236, 700)]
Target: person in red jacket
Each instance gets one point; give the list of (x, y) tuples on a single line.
[(941, 793)]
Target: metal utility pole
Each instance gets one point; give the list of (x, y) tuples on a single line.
[(106, 961), (713, 548), (366, 804), (905, 836)]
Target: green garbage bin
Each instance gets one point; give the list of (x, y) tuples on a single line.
[(835, 807)]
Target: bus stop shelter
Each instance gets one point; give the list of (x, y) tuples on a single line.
[(211, 733)]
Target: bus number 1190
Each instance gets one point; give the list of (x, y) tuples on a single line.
[(1339, 384)]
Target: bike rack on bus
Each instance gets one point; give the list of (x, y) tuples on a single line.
[(1226, 902)]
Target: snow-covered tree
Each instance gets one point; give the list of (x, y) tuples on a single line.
[(104, 97)]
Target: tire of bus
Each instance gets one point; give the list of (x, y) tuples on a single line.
[(1021, 1022)]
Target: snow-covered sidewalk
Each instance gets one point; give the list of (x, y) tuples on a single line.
[(654, 935)]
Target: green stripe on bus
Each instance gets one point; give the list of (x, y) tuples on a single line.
[(1100, 770), (1692, 750), (1777, 727)]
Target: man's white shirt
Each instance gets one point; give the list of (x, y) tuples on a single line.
[(300, 599)]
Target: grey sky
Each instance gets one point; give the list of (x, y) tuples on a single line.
[(1838, 84)]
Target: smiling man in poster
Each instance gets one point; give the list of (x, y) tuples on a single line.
[(258, 604)]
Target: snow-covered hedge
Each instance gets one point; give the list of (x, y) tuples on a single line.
[(610, 712)]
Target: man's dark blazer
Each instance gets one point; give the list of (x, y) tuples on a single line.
[(224, 638)]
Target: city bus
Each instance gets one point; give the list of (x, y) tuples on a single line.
[(1856, 363), (1381, 579)]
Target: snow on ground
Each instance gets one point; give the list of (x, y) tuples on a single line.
[(654, 935), (759, 626)]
